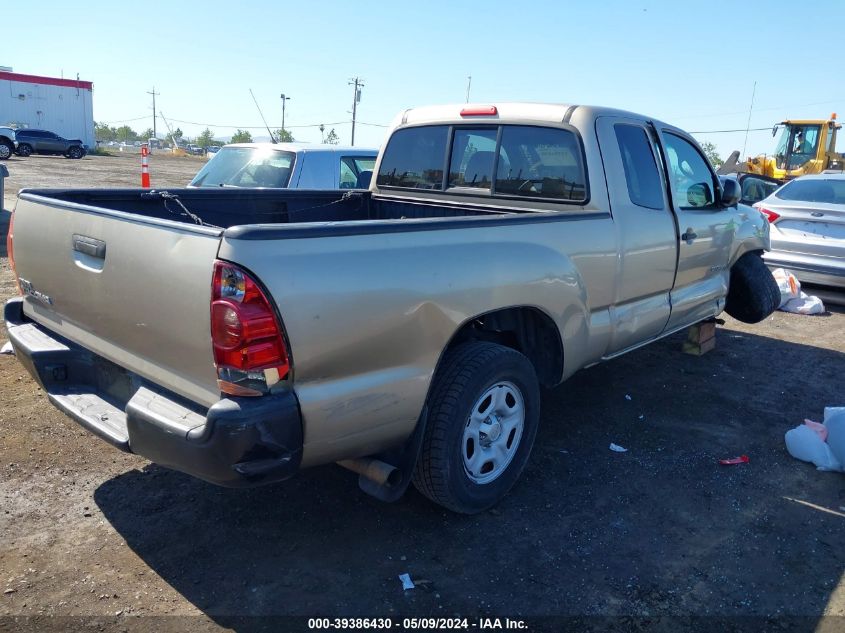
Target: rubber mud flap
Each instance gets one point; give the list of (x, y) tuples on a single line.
[(753, 293)]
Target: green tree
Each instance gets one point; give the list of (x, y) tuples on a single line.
[(709, 150), (146, 134), (102, 132), (331, 138), (125, 133), (283, 136), (241, 136), (205, 139)]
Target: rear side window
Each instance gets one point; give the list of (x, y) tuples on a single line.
[(538, 162), (415, 158), (351, 168), (641, 175), (814, 190)]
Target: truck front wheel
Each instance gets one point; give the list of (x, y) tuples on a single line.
[(753, 294), (484, 410), (6, 149)]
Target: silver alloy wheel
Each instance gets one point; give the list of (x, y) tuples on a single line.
[(492, 432), (5, 151)]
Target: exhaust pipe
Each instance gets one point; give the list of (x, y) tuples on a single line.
[(375, 470)]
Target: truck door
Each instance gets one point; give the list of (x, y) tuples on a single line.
[(645, 231), (705, 232)]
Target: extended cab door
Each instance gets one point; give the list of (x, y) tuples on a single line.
[(705, 232), (645, 231)]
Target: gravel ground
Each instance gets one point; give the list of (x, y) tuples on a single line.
[(662, 530)]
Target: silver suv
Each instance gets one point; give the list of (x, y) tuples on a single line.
[(8, 142)]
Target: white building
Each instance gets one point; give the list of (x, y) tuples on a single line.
[(63, 106)]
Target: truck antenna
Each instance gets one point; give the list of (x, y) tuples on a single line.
[(272, 138), (748, 124)]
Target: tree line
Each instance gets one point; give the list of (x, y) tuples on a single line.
[(103, 132)]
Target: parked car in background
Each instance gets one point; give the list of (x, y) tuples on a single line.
[(8, 142), (288, 166), (807, 217), (196, 150), (754, 187), (212, 149), (45, 142)]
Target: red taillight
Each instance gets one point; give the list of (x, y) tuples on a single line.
[(480, 111), (771, 216), (249, 346), (10, 249)]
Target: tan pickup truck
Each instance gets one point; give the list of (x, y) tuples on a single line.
[(403, 331)]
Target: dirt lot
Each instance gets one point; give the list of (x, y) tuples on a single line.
[(661, 530)]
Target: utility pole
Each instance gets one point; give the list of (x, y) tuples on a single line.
[(355, 100), (154, 93), (284, 99)]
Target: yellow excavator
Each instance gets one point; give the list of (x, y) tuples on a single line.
[(804, 147)]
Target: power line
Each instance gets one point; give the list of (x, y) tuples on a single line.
[(146, 116), (248, 127), (753, 129)]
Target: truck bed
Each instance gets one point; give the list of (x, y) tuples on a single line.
[(226, 207)]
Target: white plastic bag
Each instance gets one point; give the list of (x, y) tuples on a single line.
[(834, 421), (803, 304), (804, 443), (790, 287)]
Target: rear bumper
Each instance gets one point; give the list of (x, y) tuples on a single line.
[(811, 269), (237, 442)]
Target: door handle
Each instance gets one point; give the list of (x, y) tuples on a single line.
[(89, 246), (689, 236)]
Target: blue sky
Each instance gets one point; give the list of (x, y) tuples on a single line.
[(692, 64)]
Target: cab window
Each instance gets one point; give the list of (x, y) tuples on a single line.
[(692, 180)]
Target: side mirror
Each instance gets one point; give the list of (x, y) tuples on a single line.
[(731, 193), (699, 195)]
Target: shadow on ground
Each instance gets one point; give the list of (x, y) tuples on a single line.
[(659, 530)]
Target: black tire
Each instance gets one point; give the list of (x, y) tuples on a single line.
[(75, 152), (753, 294), (6, 149), (24, 149), (466, 374)]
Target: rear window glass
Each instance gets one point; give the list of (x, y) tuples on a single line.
[(511, 160), (644, 187), (814, 190), (473, 156), (540, 162), (246, 167), (415, 158)]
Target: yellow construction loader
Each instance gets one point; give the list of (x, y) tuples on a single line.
[(804, 147)]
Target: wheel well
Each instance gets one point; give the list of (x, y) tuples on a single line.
[(530, 331)]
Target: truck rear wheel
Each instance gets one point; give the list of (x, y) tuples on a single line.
[(484, 410), (753, 294)]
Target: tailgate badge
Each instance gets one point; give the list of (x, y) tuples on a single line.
[(29, 289)]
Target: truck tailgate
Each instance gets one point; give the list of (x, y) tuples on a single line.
[(132, 289)]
